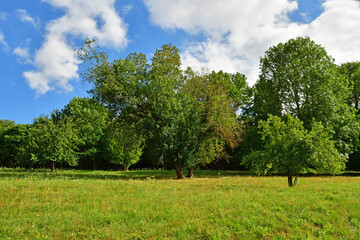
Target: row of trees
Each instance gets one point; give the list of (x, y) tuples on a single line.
[(300, 116)]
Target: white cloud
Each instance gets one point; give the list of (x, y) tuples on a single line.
[(127, 8), (306, 16), (25, 17), (3, 16), (56, 60), (338, 29), (23, 53), (239, 31), (3, 42)]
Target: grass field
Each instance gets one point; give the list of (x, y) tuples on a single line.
[(152, 205)]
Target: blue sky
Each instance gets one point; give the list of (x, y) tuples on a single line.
[(38, 39)]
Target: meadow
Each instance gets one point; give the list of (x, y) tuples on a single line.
[(74, 204)]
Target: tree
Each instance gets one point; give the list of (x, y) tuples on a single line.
[(53, 141), (217, 96), (156, 100), (90, 118), (352, 72), (289, 148), (123, 145), (4, 126), (13, 143), (299, 78)]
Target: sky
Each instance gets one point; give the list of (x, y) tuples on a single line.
[(39, 70)]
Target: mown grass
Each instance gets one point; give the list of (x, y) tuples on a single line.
[(152, 205)]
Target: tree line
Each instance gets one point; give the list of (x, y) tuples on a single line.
[(300, 116)]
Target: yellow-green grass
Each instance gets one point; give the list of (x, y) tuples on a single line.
[(153, 205)]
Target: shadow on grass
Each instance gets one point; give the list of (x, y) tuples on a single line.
[(131, 175), (110, 175)]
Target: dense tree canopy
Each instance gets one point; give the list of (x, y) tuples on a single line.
[(153, 113), (352, 71), (53, 142), (186, 118), (123, 146), (299, 78), (90, 119), (289, 148)]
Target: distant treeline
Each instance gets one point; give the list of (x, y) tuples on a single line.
[(300, 116)]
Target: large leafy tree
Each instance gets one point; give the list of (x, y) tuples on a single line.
[(299, 78), (53, 141), (351, 71), (153, 97), (289, 148), (90, 118), (217, 97)]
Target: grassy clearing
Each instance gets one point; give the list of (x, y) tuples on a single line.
[(152, 205)]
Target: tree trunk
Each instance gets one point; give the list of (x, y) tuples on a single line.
[(190, 173), (126, 168), (94, 164), (290, 180), (53, 167), (179, 172), (295, 180)]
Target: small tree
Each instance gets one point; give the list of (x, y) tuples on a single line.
[(52, 142), (289, 148)]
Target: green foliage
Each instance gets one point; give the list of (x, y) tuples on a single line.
[(352, 72), (90, 119), (13, 139), (289, 148), (53, 142), (299, 78), (217, 96), (180, 125), (123, 145)]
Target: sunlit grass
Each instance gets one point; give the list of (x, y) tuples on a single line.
[(152, 205)]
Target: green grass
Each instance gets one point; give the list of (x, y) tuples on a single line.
[(152, 205)]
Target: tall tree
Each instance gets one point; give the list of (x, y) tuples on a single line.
[(153, 98), (90, 118), (299, 78), (351, 71), (218, 96)]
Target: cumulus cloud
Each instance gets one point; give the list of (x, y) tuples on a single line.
[(56, 60), (25, 17), (239, 31), (3, 42), (337, 29)]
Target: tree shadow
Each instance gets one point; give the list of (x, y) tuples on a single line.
[(110, 175), (133, 175)]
